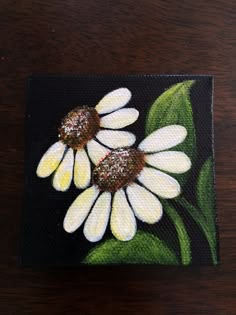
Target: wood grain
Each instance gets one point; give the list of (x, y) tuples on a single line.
[(116, 37)]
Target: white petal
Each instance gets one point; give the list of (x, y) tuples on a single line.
[(51, 159), (82, 169), (170, 161), (95, 225), (63, 176), (120, 118), (113, 101), (164, 138), (159, 183), (79, 209), (116, 139), (146, 206), (96, 151), (123, 223)]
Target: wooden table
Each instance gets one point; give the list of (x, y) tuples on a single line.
[(118, 37)]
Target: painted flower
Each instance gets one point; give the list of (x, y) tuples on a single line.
[(78, 130), (127, 183)]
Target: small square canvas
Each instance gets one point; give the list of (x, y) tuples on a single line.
[(119, 170)]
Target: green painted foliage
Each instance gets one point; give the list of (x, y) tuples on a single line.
[(204, 215), (184, 240), (205, 190), (144, 248)]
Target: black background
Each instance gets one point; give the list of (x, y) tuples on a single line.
[(49, 99)]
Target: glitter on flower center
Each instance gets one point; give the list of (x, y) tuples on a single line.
[(79, 126), (119, 168)]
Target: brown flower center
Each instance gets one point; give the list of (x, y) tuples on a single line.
[(119, 168), (79, 126)]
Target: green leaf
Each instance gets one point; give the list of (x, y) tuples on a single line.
[(205, 191), (174, 107), (144, 248), (184, 241), (205, 215), (206, 202), (207, 229)]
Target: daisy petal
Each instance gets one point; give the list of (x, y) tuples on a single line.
[(146, 206), (79, 209), (159, 183), (96, 151), (63, 176), (113, 101), (164, 138), (82, 170), (170, 161), (51, 159), (116, 139), (95, 225), (120, 118), (123, 223)]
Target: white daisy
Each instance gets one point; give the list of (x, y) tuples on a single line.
[(126, 184), (79, 129)]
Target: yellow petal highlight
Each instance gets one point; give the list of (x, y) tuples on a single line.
[(95, 225), (51, 159), (123, 222), (82, 169), (63, 176)]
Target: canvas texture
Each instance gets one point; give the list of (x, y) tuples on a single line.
[(119, 170)]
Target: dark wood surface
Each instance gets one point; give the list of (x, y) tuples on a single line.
[(118, 37)]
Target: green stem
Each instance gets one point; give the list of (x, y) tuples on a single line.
[(184, 241), (207, 228)]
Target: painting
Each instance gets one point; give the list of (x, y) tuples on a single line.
[(119, 170)]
